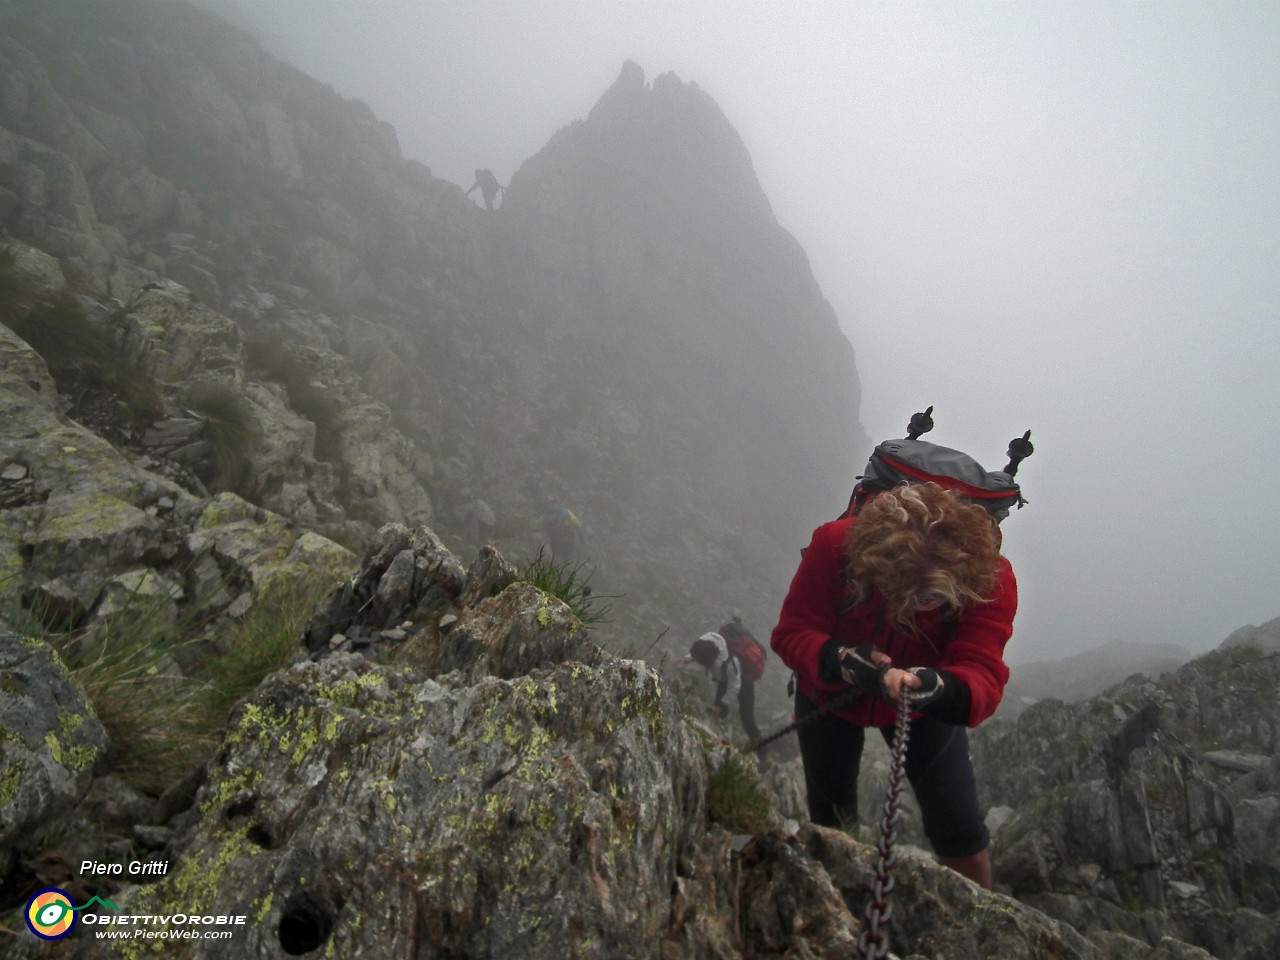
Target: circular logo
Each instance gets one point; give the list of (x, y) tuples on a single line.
[(51, 914)]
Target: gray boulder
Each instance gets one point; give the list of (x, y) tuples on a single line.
[(260, 550), (50, 745), (372, 811), (1141, 811), (1266, 638), (407, 576), (807, 895), (177, 341)]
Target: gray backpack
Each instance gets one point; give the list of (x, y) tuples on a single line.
[(912, 460)]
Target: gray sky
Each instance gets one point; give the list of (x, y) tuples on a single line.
[(1058, 216)]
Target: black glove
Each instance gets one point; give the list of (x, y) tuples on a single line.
[(858, 670), (932, 686)]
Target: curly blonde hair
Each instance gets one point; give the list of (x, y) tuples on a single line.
[(919, 541)]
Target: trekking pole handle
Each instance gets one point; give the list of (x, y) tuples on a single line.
[(920, 423), (1019, 449)]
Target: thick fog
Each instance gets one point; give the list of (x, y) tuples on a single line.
[(1056, 217)]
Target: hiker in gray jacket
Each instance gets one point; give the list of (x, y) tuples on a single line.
[(711, 652)]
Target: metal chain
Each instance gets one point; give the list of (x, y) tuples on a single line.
[(843, 699), (874, 942)]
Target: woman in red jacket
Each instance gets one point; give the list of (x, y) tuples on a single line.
[(911, 593)]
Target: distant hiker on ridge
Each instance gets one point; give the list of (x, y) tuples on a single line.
[(563, 531), (488, 186)]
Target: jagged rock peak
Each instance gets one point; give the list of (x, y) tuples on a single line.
[(630, 90), (640, 242), (670, 140)]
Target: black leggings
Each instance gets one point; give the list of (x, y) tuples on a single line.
[(747, 709), (938, 767)]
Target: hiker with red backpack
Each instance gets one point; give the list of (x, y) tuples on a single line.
[(751, 654), (734, 668), (906, 594)]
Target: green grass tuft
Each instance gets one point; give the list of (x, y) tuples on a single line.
[(567, 581), (735, 797), (80, 354), (59, 331), (14, 290), (150, 709), (266, 640), (231, 431), (161, 686)]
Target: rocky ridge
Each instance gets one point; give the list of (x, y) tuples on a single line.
[(427, 793)]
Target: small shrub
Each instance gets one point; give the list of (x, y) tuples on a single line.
[(735, 798), (59, 331), (567, 582), (230, 431), (81, 355)]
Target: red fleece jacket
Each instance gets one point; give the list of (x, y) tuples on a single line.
[(970, 648)]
